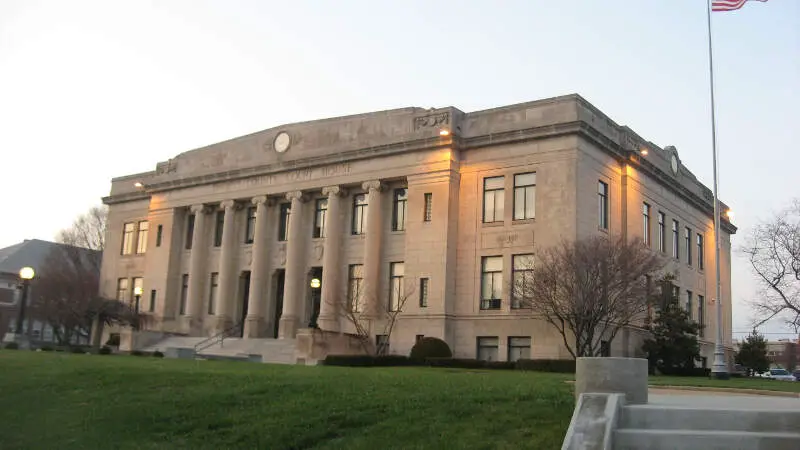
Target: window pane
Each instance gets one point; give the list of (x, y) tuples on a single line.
[(493, 183), (530, 202), (492, 263), (525, 179), (522, 262), (497, 285), (499, 205), (519, 204), (488, 207)]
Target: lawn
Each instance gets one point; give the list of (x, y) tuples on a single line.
[(738, 383), (66, 401)]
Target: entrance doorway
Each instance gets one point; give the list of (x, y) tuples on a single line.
[(279, 278), (244, 283)]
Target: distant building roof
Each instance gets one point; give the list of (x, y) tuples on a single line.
[(29, 253)]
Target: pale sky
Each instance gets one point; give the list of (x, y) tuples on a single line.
[(90, 90)]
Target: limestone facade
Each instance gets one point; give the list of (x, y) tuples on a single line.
[(237, 231)]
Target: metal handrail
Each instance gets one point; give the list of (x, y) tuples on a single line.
[(219, 337)]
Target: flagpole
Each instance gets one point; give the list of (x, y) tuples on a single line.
[(719, 368)]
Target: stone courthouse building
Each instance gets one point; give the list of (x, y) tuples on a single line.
[(276, 233)]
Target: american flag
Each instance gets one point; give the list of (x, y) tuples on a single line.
[(730, 5)]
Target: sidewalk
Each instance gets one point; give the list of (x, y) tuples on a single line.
[(721, 400)]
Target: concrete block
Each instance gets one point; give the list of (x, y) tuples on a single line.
[(179, 352), (629, 439), (593, 422), (626, 376)]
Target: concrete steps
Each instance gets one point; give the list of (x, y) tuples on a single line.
[(275, 351), (661, 427)]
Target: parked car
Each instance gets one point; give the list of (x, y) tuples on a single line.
[(778, 374)]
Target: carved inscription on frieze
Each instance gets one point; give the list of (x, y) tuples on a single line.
[(431, 121), (290, 177), (502, 239)]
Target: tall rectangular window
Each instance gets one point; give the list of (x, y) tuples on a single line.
[(141, 236), (491, 282), (137, 283), (159, 235), (646, 224), (687, 239), (701, 314), (493, 199), (250, 227), (676, 246), (525, 196), (519, 348), (189, 232), (212, 292), (602, 205), (359, 214), (220, 224), (283, 222), (662, 233), (427, 215), (700, 252), (689, 303), (399, 209), (522, 276), (424, 287), (320, 213), (396, 292), (184, 292), (152, 306), (127, 238), (487, 348), (122, 290), (355, 286)]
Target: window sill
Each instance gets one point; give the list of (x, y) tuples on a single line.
[(523, 221), (394, 232), (492, 224)]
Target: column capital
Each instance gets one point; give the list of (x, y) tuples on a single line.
[(198, 209), (259, 199), (229, 204), (295, 195), (372, 185), (332, 191)]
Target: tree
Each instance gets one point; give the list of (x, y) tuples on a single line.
[(773, 249), (378, 320), (753, 353), (674, 345), (87, 231), (588, 289)]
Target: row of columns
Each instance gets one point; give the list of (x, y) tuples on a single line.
[(332, 296)]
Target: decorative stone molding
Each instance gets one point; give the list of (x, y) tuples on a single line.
[(373, 185), (431, 120), (259, 199), (295, 195), (198, 209), (331, 191), (229, 204)]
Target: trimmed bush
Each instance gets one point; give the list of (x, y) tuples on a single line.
[(77, 350), (685, 372), (158, 354), (137, 353), (456, 363), (430, 347), (104, 350), (547, 365), (113, 340), (46, 348), (500, 365), (366, 360), (12, 346)]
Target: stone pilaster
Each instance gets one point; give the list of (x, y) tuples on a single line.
[(332, 291), (293, 285), (193, 320), (227, 275), (372, 247), (254, 323)]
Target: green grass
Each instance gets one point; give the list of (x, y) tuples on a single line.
[(738, 383), (65, 401)]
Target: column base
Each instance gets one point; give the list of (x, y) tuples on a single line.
[(222, 323), (254, 327), (287, 327), (328, 323), (192, 326)]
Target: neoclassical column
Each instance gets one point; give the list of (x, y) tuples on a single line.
[(254, 323), (293, 284), (372, 247), (332, 293), (194, 295), (226, 269)]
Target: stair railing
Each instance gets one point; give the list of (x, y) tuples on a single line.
[(218, 338)]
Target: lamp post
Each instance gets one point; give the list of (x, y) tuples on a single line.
[(26, 274), (137, 295)]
